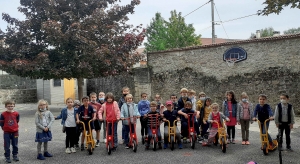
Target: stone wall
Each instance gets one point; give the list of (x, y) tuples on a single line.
[(16, 82), (18, 95), (272, 67)]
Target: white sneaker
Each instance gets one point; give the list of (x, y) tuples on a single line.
[(104, 140), (68, 151), (97, 144), (73, 150)]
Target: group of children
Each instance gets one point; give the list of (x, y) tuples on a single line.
[(105, 112)]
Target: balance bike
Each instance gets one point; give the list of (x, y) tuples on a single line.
[(221, 137), (265, 146), (172, 133), (89, 140), (133, 141), (110, 137), (154, 127), (191, 128)]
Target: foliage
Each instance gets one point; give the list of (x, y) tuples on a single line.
[(276, 6), (70, 39), (266, 32), (292, 31)]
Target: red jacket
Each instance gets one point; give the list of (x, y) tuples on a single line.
[(9, 121), (110, 114)]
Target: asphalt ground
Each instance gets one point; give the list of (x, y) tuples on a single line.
[(235, 154)]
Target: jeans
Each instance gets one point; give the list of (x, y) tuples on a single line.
[(144, 129), (127, 131), (150, 135), (13, 139), (286, 128), (245, 129), (109, 131), (204, 128), (264, 131)]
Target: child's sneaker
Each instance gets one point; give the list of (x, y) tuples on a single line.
[(165, 145), (46, 154), (184, 140), (127, 147), (68, 151), (7, 160), (97, 144), (15, 158), (233, 141), (289, 149), (180, 146), (104, 140), (40, 157), (228, 141), (82, 147), (73, 150)]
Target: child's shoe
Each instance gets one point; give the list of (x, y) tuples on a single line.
[(127, 147), (68, 151), (233, 141), (247, 143), (105, 140), (289, 149), (7, 160), (97, 144), (243, 142), (228, 141), (165, 145), (15, 158), (77, 146), (73, 150), (184, 140), (46, 154), (40, 157), (180, 146)]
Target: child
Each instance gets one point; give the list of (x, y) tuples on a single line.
[(285, 119), (183, 99), (96, 106), (111, 109), (129, 110), (171, 115), (230, 109), (244, 116), (263, 111), (160, 107), (101, 100), (191, 94), (43, 121), (68, 116), (84, 114), (144, 108), (9, 120), (77, 104), (174, 100), (186, 112), (200, 102), (152, 121), (205, 111), (125, 91), (215, 118)]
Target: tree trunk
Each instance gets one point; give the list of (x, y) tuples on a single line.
[(80, 84)]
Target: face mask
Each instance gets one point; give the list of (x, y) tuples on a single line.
[(244, 100), (124, 95), (202, 98), (101, 99), (283, 101), (42, 110)]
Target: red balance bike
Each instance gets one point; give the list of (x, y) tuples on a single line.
[(110, 137), (154, 125), (191, 128), (133, 141)]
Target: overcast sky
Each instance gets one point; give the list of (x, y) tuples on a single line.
[(201, 19)]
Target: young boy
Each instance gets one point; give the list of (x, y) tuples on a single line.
[(263, 111), (285, 119), (183, 99), (191, 94), (186, 114), (174, 100), (152, 123), (143, 108), (96, 106), (171, 115), (160, 106), (9, 123), (85, 113), (101, 100), (125, 91)]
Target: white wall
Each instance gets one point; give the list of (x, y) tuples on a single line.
[(43, 90)]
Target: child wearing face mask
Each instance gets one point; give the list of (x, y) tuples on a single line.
[(125, 91), (43, 121), (285, 119), (244, 117), (183, 99)]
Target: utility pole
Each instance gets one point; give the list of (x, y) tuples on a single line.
[(212, 21)]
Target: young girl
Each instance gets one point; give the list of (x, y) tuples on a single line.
[(204, 113), (68, 116), (111, 109), (244, 116), (129, 110), (230, 109), (144, 108), (215, 118), (43, 121)]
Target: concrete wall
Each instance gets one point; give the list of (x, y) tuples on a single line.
[(272, 67), (43, 90)]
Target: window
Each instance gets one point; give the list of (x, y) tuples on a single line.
[(56, 82)]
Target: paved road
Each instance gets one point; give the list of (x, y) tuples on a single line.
[(236, 153)]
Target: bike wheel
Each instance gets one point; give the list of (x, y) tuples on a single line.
[(134, 146), (90, 149), (154, 143), (109, 148), (172, 142), (265, 149), (193, 141), (223, 145)]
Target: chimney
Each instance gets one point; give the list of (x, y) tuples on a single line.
[(276, 33), (257, 34)]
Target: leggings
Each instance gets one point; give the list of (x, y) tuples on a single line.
[(144, 129), (39, 147), (70, 136), (232, 132)]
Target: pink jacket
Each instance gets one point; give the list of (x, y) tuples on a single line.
[(103, 113)]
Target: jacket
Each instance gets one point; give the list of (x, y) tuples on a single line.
[(181, 103), (226, 111), (144, 107), (263, 112), (9, 121), (39, 121), (125, 114), (64, 115), (240, 111), (222, 116), (116, 109)]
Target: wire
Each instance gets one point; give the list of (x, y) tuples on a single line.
[(221, 21), (239, 18), (197, 8)]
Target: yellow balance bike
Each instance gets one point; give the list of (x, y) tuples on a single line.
[(221, 136), (172, 133), (265, 146), (89, 140)]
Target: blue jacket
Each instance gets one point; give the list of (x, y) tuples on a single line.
[(64, 114), (190, 111), (144, 107), (125, 114), (180, 104), (263, 112), (226, 111)]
